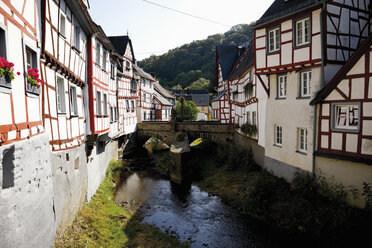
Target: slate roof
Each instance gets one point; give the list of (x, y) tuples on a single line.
[(120, 43), (283, 8), (163, 91), (227, 56), (103, 39), (200, 99), (245, 61), (161, 99), (218, 97), (140, 72)]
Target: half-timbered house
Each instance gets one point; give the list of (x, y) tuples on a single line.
[(127, 85), (146, 95), (226, 57), (344, 123), (67, 31), (25, 174), (299, 46), (248, 102)]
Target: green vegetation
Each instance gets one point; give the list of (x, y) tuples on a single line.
[(190, 111), (306, 205), (190, 62), (200, 84), (102, 223), (249, 129)]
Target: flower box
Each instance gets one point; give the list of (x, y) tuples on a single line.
[(5, 83), (32, 89)]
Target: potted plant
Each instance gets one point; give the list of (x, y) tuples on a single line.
[(249, 129), (33, 81), (6, 72)]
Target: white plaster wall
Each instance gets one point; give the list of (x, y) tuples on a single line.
[(97, 165), (26, 209), (291, 114)]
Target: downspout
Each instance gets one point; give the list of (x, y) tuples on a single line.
[(322, 83), (90, 85)]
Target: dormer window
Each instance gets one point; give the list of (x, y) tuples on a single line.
[(302, 32), (273, 40), (127, 65)]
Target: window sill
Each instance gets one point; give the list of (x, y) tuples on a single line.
[(280, 98), (32, 91), (61, 114), (303, 97), (277, 145), (301, 152), (273, 52), (74, 115), (302, 46), (76, 49), (62, 35), (5, 86), (345, 130)]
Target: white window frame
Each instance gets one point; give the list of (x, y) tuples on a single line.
[(73, 101), (76, 38), (249, 117), (273, 40), (305, 83), (302, 32), (112, 71), (282, 86), (104, 59), (336, 116), (62, 24), (278, 135), (302, 140), (104, 104), (127, 105), (254, 118), (61, 95), (98, 53), (132, 105), (98, 103)]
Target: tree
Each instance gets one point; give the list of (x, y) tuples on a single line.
[(190, 111), (200, 84), (177, 87)]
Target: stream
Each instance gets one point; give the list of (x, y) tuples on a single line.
[(189, 213)]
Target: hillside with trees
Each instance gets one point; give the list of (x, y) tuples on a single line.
[(191, 65)]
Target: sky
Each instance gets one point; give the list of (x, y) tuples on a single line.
[(155, 30)]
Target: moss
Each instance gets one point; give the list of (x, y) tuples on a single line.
[(102, 223)]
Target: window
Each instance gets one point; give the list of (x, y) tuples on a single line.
[(73, 101), (278, 135), (144, 97), (105, 104), (302, 32), (132, 103), (346, 116), (2, 43), (112, 72), (254, 118), (302, 140), (98, 53), (61, 104), (62, 25), (274, 40), (144, 116), (99, 103), (115, 113), (127, 104), (76, 38), (305, 79), (111, 114), (202, 108), (282, 86), (30, 60), (249, 117), (127, 65), (104, 57)]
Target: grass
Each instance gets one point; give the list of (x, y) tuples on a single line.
[(102, 223), (305, 206)]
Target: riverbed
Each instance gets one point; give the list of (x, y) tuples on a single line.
[(187, 212)]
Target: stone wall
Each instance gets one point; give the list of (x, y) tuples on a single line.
[(26, 194), (70, 178), (98, 162)]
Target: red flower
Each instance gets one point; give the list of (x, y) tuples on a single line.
[(18, 73)]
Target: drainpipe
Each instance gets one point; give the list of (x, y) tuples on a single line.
[(322, 83)]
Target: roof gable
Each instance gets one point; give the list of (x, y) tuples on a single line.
[(245, 61), (227, 56), (345, 69), (121, 43)]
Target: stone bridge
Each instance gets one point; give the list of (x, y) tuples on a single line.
[(213, 131)]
